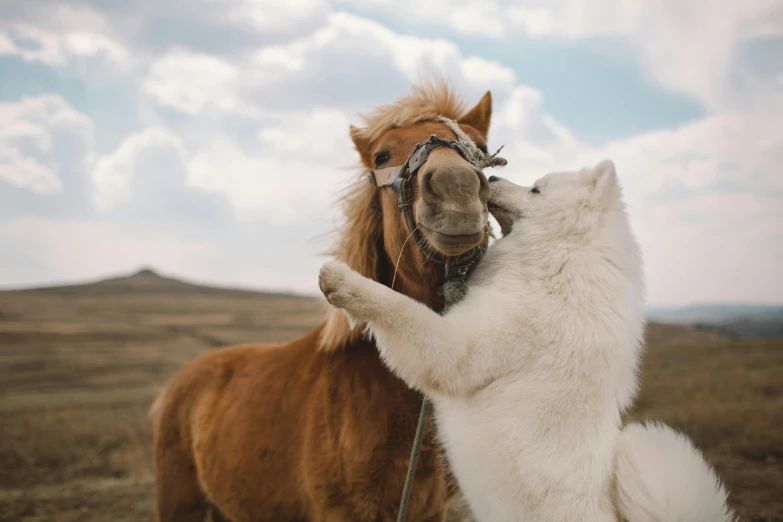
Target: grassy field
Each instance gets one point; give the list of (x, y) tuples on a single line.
[(79, 367)]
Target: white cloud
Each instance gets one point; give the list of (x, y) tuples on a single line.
[(348, 50), (481, 18), (112, 174), (476, 18), (522, 118), (320, 135), (25, 172), (346, 32), (31, 128), (687, 46), (93, 44), (59, 48), (7, 46), (47, 47), (277, 14), (281, 190), (192, 82), (704, 198), (270, 87), (290, 177)]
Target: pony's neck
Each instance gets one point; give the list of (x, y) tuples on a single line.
[(422, 283)]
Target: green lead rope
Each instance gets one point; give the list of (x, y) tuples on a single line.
[(454, 291), (426, 406)]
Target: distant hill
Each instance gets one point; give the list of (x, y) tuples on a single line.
[(739, 320), (736, 320), (716, 313), (148, 281)]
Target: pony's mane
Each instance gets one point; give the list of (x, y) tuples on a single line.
[(427, 101), (359, 237)]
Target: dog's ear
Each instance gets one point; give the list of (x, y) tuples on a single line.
[(604, 184)]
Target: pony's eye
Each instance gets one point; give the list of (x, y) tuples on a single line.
[(381, 158), (535, 190)]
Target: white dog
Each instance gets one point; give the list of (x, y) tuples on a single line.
[(530, 373)]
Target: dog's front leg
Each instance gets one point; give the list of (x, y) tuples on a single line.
[(426, 350)]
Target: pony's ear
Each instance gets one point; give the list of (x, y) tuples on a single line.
[(479, 116), (362, 145), (603, 181)]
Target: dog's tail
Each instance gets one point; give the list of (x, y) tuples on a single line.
[(662, 477)]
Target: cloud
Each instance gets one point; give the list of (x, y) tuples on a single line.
[(277, 15), (233, 133), (150, 28), (523, 120), (191, 82), (289, 176), (60, 48), (112, 174), (33, 129), (319, 135), (683, 45), (279, 189), (704, 198), (349, 50)]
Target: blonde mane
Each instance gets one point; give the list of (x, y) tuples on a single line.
[(360, 236), (426, 102)]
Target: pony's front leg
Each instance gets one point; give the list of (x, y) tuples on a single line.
[(426, 350)]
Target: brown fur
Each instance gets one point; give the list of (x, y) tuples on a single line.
[(318, 429)]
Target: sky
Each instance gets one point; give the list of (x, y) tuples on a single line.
[(207, 139)]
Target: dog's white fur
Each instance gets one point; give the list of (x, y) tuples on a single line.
[(530, 373)]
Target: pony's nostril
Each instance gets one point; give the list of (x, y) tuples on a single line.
[(426, 183), (493, 179)]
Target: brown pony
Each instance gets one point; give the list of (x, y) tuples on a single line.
[(318, 429)]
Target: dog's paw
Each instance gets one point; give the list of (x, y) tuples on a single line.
[(335, 280)]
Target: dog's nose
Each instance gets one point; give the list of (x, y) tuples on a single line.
[(493, 179)]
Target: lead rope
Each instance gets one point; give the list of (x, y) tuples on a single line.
[(454, 290)]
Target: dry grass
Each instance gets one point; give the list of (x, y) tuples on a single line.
[(728, 397), (78, 370)]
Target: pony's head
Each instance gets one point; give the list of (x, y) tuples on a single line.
[(448, 199)]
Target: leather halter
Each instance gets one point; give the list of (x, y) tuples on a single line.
[(396, 178)]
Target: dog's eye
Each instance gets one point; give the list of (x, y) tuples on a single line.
[(535, 190), (381, 158)]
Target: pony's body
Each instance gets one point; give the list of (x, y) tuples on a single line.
[(530, 373), (265, 448), (319, 429)]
